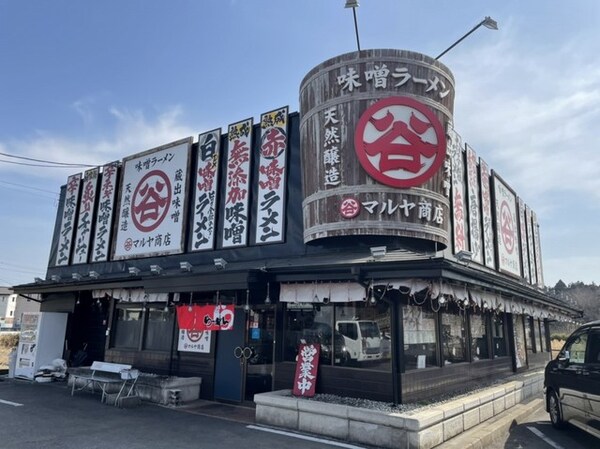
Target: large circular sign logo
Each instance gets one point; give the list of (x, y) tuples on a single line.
[(400, 142), (150, 201), (507, 227)]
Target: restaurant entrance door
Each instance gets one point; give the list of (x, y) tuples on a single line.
[(244, 356)]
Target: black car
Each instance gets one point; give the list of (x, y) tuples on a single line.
[(572, 381)]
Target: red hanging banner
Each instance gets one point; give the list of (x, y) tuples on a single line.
[(217, 318), (205, 318), (305, 380), (187, 317)]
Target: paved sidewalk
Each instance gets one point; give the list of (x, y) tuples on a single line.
[(486, 433)]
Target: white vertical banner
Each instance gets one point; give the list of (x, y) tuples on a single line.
[(239, 151), (475, 237), (152, 202), (489, 252), (270, 204), (523, 241), (68, 220), (538, 250), (530, 246), (459, 213), (106, 209), (87, 204), (509, 256), (206, 191)]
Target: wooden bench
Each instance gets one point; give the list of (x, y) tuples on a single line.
[(104, 374)]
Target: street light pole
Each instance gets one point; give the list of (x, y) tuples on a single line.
[(354, 4), (488, 22)]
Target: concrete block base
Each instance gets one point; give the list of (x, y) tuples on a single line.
[(419, 429)]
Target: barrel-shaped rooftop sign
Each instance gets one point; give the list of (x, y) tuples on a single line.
[(373, 138)]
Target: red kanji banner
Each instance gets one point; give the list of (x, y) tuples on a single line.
[(305, 380), (205, 318)]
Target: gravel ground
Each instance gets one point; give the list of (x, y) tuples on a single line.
[(409, 408)]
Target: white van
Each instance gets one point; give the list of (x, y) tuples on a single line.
[(362, 339)]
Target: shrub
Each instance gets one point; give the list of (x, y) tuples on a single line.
[(9, 340)]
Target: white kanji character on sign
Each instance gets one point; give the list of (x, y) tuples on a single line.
[(331, 156), (379, 74), (349, 80), (330, 116)]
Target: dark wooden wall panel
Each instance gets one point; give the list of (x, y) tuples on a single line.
[(351, 382), (182, 365)]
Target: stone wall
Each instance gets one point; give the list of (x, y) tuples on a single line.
[(420, 429)]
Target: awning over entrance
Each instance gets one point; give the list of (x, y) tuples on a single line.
[(322, 292), (131, 295), (483, 299)]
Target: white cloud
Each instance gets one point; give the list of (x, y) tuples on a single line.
[(533, 116), (133, 132)]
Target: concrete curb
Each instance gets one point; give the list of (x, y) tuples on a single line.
[(488, 432)]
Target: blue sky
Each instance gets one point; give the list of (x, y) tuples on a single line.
[(91, 82)]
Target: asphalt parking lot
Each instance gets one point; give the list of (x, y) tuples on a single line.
[(44, 416)]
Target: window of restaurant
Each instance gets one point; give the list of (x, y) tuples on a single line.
[(454, 336), (498, 335), (543, 336), (130, 331), (420, 337), (536, 335), (352, 334), (479, 336), (528, 333), (128, 326), (519, 336), (159, 329)]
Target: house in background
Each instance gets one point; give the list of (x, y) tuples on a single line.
[(12, 307)]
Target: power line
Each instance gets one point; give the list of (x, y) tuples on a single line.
[(46, 165), (66, 164), (28, 187)]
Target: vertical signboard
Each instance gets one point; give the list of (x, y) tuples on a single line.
[(235, 219), (475, 237), (489, 253), (523, 241), (270, 204), (505, 208), (459, 213), (87, 205), (538, 250), (530, 246), (67, 223), (152, 202), (205, 191), (104, 216), (307, 369)]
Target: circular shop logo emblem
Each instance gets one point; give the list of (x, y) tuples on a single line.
[(150, 201), (400, 142), (194, 336), (506, 227), (349, 208)]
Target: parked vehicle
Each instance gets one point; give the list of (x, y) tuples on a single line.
[(362, 338), (321, 333), (572, 381)]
